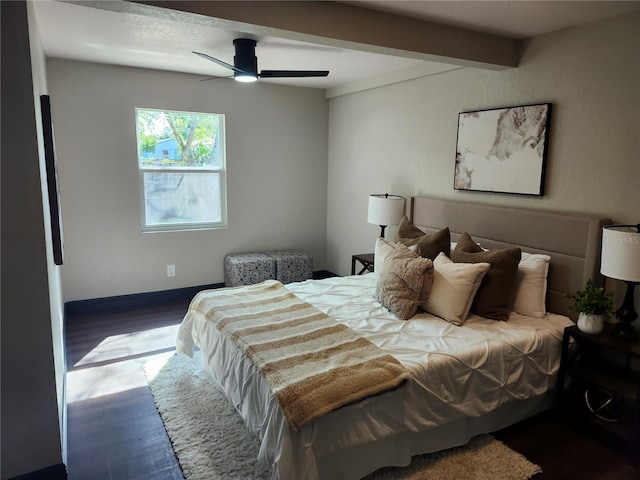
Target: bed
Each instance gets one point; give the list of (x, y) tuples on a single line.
[(457, 381)]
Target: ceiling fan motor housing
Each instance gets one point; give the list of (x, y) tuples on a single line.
[(245, 58)]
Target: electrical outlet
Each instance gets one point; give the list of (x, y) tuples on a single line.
[(171, 270)]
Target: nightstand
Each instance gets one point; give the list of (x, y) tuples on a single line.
[(365, 259), (599, 387)]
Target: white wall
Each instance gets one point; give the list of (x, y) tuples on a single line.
[(32, 353), (401, 138), (276, 181)]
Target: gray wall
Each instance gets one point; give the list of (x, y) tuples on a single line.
[(32, 353), (276, 179), (401, 138)]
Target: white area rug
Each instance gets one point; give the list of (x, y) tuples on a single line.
[(212, 443)]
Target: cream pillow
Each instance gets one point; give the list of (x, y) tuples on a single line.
[(531, 285), (453, 289)]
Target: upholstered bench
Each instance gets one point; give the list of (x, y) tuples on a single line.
[(248, 268), (292, 265), (285, 266)]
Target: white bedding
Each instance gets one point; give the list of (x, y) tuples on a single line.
[(465, 380)]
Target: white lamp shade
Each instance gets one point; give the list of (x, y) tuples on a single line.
[(621, 252), (385, 209)]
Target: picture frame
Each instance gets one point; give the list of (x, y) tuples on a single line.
[(52, 180), (503, 150)]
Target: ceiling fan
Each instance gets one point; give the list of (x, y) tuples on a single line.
[(245, 64)]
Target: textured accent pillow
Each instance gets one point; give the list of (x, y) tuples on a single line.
[(429, 244), (454, 287), (382, 250), (494, 298), (531, 285), (405, 282)]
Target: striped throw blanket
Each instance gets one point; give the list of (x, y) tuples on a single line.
[(313, 363)]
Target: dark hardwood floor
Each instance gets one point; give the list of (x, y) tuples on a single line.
[(115, 432)]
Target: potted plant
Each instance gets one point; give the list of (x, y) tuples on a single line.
[(593, 305)]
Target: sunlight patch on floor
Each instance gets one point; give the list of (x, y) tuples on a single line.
[(112, 378), (116, 364), (129, 344)]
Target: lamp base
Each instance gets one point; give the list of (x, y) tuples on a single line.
[(625, 315), (624, 331)]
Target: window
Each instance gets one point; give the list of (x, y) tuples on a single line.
[(181, 164)]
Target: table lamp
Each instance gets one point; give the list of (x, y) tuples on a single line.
[(385, 210), (621, 260)]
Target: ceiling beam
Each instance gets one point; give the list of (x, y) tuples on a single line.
[(338, 25)]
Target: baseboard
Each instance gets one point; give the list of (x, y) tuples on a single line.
[(54, 472), (140, 300), (136, 300)]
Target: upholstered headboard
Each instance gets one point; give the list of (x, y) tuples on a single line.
[(573, 241)]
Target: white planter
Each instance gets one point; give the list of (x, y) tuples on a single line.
[(592, 324)]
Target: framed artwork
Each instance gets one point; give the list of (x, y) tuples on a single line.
[(52, 179), (503, 150)]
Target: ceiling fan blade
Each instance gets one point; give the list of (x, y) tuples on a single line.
[(213, 78), (293, 73), (219, 62)]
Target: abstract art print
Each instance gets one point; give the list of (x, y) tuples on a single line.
[(503, 150)]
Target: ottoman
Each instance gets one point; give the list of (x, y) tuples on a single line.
[(248, 268), (292, 265)]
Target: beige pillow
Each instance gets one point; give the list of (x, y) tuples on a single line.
[(531, 285), (429, 244), (494, 298), (454, 287), (382, 250), (405, 282)]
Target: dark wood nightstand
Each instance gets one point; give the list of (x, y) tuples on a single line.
[(365, 259), (599, 387)]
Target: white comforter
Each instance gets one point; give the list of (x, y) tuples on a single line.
[(482, 370)]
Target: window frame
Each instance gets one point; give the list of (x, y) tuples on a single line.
[(219, 169)]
